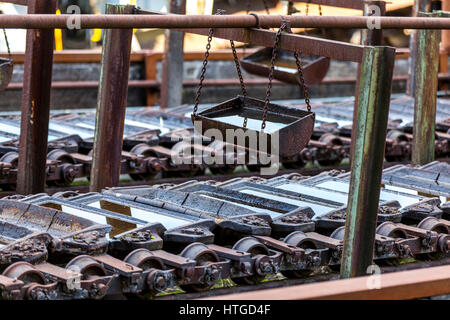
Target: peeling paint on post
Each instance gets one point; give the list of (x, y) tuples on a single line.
[(425, 93), (112, 102), (369, 136), (37, 80)]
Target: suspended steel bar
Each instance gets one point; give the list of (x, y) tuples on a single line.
[(111, 105), (50, 21), (36, 103), (370, 117)]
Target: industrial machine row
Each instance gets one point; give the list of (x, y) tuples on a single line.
[(160, 143), (141, 241)]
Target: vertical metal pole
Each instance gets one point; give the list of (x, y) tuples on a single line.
[(446, 33), (369, 136), (172, 76), (425, 94), (373, 37), (36, 103), (111, 104), (419, 6)]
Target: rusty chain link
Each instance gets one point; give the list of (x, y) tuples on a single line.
[(205, 64), (302, 80), (202, 76), (272, 69), (284, 26)]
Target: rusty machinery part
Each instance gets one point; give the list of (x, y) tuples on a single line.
[(262, 265), (35, 286), (391, 230), (87, 266), (298, 239), (66, 163), (338, 234), (206, 258), (434, 224), (152, 167), (12, 158), (148, 261), (6, 66)]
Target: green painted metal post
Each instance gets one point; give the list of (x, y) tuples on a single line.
[(369, 136), (112, 102), (426, 71)]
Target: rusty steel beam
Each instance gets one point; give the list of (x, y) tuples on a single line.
[(36, 103), (412, 284), (172, 75), (309, 45), (425, 94), (112, 102), (368, 145), (49, 21), (349, 4)]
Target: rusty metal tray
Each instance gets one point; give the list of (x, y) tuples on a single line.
[(6, 69), (288, 129), (314, 67)]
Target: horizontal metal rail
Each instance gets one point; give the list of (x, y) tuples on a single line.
[(399, 285), (88, 21)]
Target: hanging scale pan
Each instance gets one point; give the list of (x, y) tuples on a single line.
[(277, 129), (315, 68)]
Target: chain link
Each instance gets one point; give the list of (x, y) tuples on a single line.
[(202, 76), (272, 68), (302, 80), (238, 68), (7, 42)]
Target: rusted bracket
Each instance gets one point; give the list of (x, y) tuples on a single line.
[(112, 102), (309, 45), (426, 69), (369, 136)]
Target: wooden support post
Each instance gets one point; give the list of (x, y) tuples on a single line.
[(369, 137), (425, 94), (36, 103), (112, 102), (172, 75)]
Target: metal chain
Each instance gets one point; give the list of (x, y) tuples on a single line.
[(7, 43), (320, 10), (238, 68), (302, 80), (202, 76), (272, 68)]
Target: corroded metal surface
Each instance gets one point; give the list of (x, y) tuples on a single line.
[(112, 99), (369, 135), (36, 103)]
